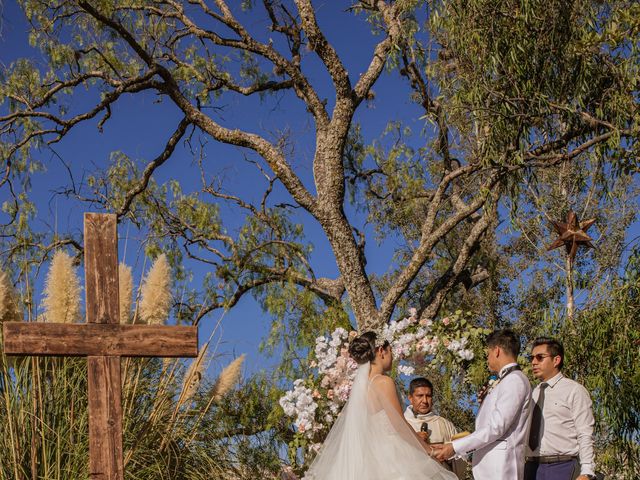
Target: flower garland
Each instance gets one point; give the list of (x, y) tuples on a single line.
[(315, 402)]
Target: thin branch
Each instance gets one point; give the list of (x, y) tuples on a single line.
[(152, 167)]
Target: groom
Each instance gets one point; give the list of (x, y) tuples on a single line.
[(502, 421)]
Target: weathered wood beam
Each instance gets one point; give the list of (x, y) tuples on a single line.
[(99, 339), (103, 341), (104, 373)]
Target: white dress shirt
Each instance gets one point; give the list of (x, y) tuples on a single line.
[(567, 427)]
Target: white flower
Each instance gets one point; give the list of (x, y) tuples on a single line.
[(406, 370), (340, 333), (421, 333), (466, 354), (314, 411), (315, 447), (299, 403)]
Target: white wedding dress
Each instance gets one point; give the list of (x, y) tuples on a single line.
[(371, 441)]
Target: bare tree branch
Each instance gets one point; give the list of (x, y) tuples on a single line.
[(152, 166)]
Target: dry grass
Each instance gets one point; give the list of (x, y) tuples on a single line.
[(9, 310), (156, 295), (227, 379), (61, 301), (193, 377), (125, 291), (173, 428)]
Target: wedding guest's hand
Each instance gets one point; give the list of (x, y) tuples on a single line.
[(443, 452), (424, 436)]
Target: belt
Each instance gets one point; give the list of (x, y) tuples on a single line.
[(551, 458)]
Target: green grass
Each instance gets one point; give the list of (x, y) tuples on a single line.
[(44, 424)]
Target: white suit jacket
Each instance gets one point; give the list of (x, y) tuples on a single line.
[(502, 427)]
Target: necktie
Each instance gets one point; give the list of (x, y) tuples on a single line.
[(536, 421)]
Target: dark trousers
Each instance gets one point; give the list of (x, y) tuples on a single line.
[(568, 470)]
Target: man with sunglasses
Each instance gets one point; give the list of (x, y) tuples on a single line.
[(560, 445)]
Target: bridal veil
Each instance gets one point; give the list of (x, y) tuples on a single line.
[(371, 441)]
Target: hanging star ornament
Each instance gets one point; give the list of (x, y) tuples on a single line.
[(572, 234)]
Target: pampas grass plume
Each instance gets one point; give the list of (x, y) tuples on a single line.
[(9, 311), (227, 379), (125, 289), (62, 290), (155, 299), (193, 377)]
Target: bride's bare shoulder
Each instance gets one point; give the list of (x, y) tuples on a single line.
[(383, 381)]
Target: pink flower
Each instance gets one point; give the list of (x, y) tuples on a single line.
[(446, 321), (330, 394)]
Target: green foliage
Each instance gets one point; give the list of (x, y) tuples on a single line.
[(44, 419), (44, 423), (541, 94), (521, 69), (603, 353)]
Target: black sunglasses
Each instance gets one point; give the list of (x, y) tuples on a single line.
[(538, 356)]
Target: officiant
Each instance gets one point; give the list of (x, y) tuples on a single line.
[(431, 427)]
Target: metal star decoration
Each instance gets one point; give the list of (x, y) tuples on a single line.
[(573, 234)]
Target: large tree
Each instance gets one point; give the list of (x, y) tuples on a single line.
[(508, 89), (528, 107)]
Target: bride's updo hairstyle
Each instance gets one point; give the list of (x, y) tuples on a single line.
[(363, 348)]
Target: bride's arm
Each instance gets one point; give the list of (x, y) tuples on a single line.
[(387, 389)]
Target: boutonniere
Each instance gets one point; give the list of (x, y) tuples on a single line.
[(494, 381), (487, 387)]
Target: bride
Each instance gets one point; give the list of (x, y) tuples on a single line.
[(371, 440)]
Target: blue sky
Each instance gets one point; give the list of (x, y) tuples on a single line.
[(141, 124)]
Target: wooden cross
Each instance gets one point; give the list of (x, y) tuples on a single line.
[(103, 341)]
